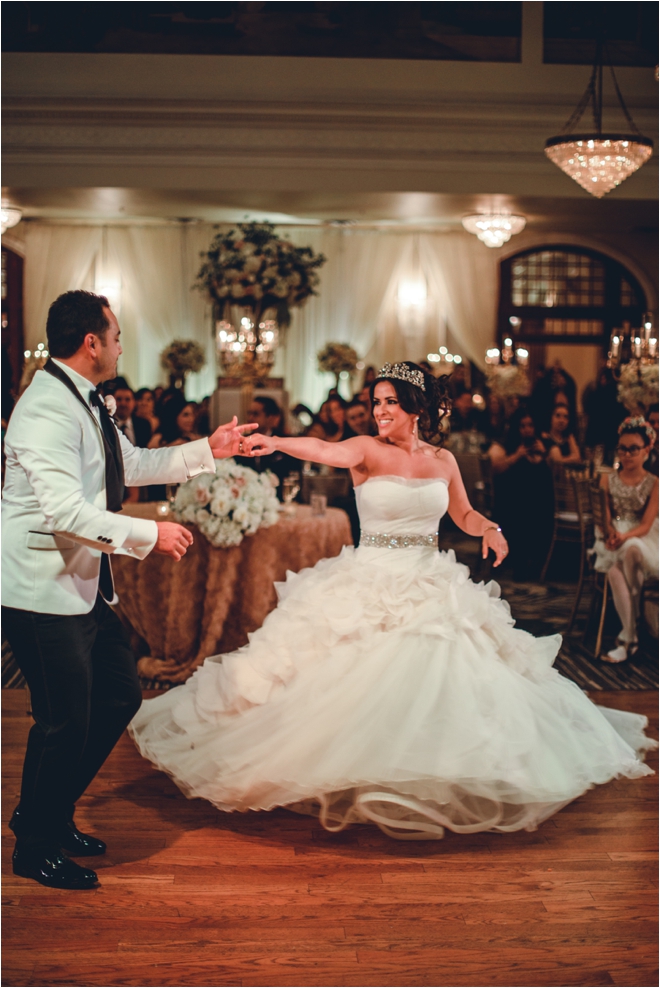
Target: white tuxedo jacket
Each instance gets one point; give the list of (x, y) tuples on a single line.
[(54, 520)]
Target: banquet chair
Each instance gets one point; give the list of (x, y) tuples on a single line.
[(597, 502), (586, 531), (486, 472), (567, 525)]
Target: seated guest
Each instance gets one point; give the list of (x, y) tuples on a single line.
[(177, 423), (652, 462), (145, 408), (137, 430), (331, 424), (559, 442), (359, 419), (267, 414), (524, 499), (203, 423), (464, 416), (604, 413), (628, 550), (495, 418)]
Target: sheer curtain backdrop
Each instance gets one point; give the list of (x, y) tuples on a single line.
[(149, 271)]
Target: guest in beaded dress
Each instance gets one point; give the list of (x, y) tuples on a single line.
[(628, 550), (386, 687)]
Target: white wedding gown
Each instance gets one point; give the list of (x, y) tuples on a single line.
[(388, 688)]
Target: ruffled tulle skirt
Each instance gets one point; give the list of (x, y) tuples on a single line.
[(386, 687), (605, 558)]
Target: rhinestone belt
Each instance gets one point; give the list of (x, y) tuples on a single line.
[(383, 541)]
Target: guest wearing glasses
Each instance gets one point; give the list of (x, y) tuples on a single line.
[(628, 550), (653, 460)]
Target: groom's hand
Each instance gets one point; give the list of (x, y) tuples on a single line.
[(226, 440), (173, 540)]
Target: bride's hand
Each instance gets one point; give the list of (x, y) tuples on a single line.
[(228, 439), (492, 539), (258, 445)]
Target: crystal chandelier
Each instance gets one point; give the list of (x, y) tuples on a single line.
[(494, 229), (597, 161), (247, 346), (9, 216)]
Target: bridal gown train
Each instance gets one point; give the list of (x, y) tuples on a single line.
[(387, 687)]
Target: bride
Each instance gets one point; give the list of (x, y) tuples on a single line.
[(386, 687)]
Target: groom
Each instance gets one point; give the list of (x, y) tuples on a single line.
[(66, 469)]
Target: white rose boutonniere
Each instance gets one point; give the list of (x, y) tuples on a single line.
[(110, 404)]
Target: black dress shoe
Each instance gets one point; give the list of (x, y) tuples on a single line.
[(78, 844), (50, 867), (68, 837)]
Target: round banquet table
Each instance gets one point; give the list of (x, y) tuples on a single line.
[(212, 599)]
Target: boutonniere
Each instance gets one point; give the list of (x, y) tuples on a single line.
[(110, 404)]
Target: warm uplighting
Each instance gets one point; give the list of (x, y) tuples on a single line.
[(247, 350), (412, 294), (494, 229), (597, 161), (443, 356)]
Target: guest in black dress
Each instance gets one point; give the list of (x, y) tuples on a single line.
[(559, 442), (524, 499)]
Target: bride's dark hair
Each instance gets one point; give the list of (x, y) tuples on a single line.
[(432, 405)]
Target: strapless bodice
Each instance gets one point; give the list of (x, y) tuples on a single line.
[(401, 506)]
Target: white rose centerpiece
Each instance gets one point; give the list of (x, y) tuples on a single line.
[(227, 505)]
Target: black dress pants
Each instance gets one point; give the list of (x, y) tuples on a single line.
[(83, 679)]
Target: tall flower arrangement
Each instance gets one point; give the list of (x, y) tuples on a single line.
[(254, 268), (335, 358), (181, 357)]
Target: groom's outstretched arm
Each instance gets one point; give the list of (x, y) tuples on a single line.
[(176, 464)]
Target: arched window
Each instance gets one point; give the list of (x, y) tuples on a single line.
[(562, 294)]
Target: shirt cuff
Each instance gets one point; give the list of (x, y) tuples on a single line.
[(141, 539), (198, 458)]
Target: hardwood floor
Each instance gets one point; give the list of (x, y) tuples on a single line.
[(190, 896)]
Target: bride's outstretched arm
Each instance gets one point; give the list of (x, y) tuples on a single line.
[(464, 515), (348, 454)]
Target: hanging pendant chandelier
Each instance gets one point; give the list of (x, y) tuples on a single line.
[(597, 161), (494, 229)]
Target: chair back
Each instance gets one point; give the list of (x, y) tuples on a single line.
[(565, 496), (598, 502), (582, 497)]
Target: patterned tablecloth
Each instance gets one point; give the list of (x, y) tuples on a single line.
[(212, 599)]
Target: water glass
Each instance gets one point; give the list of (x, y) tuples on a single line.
[(319, 503)]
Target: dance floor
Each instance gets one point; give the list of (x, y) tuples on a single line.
[(190, 896)]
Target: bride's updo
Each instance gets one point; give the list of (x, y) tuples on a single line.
[(432, 404)]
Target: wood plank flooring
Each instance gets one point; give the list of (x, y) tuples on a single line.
[(193, 897)]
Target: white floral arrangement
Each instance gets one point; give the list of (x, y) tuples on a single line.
[(182, 356), (254, 268), (508, 381), (336, 358), (227, 505), (638, 386)]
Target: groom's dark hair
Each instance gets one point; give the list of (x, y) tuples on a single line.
[(71, 317)]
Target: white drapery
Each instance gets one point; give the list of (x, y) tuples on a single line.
[(151, 270), (57, 259)]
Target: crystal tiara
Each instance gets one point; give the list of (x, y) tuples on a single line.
[(401, 372)]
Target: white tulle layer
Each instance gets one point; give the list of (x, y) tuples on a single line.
[(387, 687)]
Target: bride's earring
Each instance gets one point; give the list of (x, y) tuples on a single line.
[(414, 428)]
